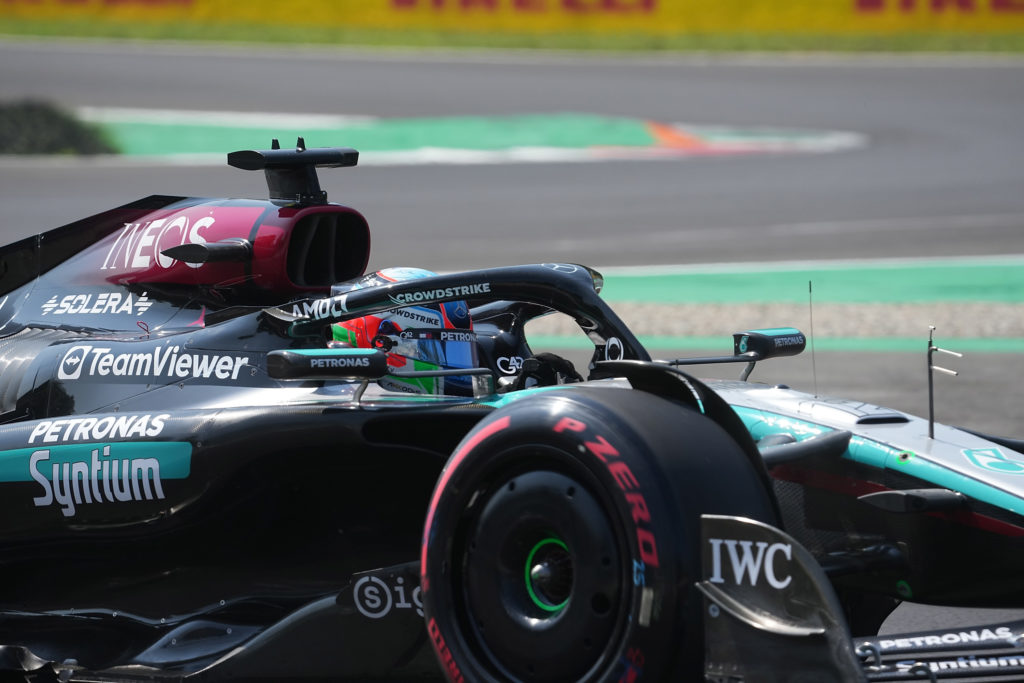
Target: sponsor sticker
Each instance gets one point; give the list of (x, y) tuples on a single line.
[(438, 335), (407, 298), (139, 246), (415, 315), (319, 309), (98, 428), (965, 663), (169, 362), (510, 365), (73, 475), (457, 336), (750, 561), (783, 342), (340, 362), (561, 267), (375, 598), (993, 460), (950, 638), (613, 349), (108, 303)]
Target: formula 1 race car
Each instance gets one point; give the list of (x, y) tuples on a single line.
[(227, 453)]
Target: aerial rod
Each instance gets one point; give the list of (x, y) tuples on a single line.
[(932, 348)]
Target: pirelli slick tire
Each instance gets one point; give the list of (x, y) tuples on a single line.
[(562, 539)]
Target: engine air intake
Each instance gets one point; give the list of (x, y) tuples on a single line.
[(327, 248)]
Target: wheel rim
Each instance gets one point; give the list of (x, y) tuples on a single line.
[(544, 575)]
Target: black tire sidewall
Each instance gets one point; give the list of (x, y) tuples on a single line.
[(648, 461)]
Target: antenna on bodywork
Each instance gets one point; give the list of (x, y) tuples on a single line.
[(931, 368), (291, 173), (810, 311)]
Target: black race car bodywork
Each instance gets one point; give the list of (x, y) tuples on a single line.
[(192, 485)]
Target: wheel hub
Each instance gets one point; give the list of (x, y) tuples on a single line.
[(549, 574), (543, 574)]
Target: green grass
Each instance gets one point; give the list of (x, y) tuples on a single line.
[(331, 35)]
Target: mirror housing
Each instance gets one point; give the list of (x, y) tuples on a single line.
[(769, 343), (360, 364)]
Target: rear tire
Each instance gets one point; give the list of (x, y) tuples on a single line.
[(562, 540)]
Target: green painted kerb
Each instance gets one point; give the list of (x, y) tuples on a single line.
[(907, 283), (567, 130)]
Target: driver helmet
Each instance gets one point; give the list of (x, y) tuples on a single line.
[(423, 337)]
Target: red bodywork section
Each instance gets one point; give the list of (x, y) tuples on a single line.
[(295, 250)]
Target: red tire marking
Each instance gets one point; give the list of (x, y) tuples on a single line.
[(453, 464)]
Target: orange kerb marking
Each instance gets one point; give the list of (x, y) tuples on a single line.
[(668, 136)]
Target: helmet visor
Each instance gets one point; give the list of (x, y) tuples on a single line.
[(444, 348)]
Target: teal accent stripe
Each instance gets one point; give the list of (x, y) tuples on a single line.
[(761, 423), (776, 331), (320, 353), (175, 458), (506, 399), (876, 454), (950, 479)]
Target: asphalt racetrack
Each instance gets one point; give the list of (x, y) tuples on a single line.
[(939, 173)]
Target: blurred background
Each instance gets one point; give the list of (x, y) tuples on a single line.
[(853, 168)]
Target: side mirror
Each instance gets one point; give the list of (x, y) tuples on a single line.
[(769, 343), (360, 364), (364, 364), (754, 345)]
